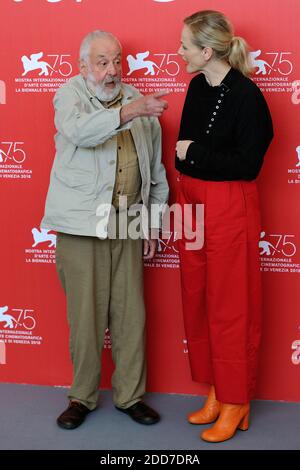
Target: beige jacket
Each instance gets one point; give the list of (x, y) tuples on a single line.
[(83, 172)]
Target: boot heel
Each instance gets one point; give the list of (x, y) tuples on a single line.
[(244, 424)]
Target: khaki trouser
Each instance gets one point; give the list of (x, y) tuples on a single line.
[(103, 281)]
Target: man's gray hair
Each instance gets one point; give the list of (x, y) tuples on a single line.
[(89, 38)]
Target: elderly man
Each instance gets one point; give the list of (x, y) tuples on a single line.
[(108, 146)]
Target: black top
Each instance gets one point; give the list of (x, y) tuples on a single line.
[(230, 125)]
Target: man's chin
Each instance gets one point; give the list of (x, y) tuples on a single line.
[(108, 94), (104, 93)]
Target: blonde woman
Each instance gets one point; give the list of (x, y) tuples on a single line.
[(225, 131)]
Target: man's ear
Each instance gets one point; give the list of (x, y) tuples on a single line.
[(83, 67)]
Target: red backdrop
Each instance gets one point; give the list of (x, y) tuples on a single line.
[(39, 48)]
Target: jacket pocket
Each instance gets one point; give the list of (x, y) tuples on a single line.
[(76, 178)]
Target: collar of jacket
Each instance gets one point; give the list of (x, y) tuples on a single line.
[(228, 81)]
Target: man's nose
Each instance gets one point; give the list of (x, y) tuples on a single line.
[(112, 69)]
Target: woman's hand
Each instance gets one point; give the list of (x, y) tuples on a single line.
[(181, 148)]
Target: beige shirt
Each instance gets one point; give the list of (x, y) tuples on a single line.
[(128, 176)]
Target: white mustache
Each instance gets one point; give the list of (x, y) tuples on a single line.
[(111, 80)]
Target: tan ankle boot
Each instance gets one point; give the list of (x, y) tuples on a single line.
[(209, 412), (232, 417)]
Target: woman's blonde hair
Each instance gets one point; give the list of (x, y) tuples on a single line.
[(211, 28)]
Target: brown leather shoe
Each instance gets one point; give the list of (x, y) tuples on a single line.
[(209, 412), (73, 416), (141, 413), (232, 417)]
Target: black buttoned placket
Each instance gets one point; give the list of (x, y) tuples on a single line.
[(217, 108)]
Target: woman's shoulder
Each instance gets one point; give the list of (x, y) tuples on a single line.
[(246, 84), (248, 94), (197, 81)]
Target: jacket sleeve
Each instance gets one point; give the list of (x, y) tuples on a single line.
[(159, 188), (252, 135), (81, 128)]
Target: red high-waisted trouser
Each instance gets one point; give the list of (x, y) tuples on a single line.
[(221, 286)]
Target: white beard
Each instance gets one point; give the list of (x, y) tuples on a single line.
[(99, 89)]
